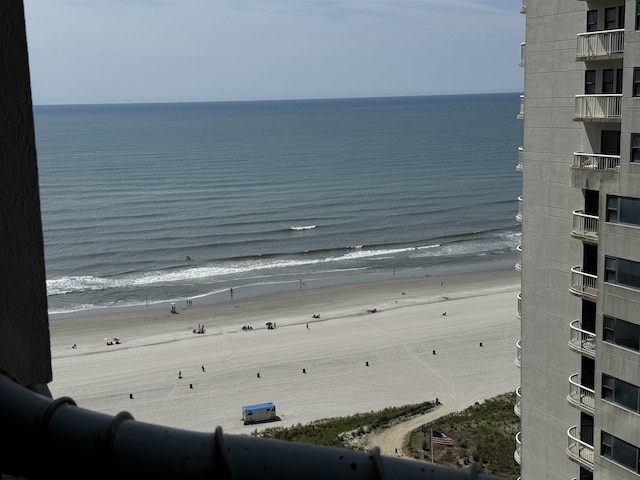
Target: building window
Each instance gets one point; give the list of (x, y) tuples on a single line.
[(636, 82), (590, 82), (622, 333), (637, 14), (610, 142), (607, 80), (621, 17), (620, 451), (619, 80), (592, 20), (620, 392), (610, 18), (635, 147), (622, 272), (623, 210)]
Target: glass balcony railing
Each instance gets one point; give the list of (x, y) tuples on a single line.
[(519, 258), (517, 454), (518, 360), (517, 408)]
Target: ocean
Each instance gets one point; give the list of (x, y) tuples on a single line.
[(155, 203)]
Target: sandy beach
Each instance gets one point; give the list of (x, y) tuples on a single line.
[(220, 368)]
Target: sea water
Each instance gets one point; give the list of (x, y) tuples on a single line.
[(150, 203)]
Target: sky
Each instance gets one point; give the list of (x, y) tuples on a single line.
[(130, 51)]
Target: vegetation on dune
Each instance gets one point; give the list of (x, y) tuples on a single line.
[(482, 434), (340, 432)]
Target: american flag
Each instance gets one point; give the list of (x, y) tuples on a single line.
[(440, 438)]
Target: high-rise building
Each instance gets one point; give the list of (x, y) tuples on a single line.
[(579, 351)]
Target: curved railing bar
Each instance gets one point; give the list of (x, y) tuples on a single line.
[(45, 438)]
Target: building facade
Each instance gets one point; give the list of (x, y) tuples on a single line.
[(579, 352)]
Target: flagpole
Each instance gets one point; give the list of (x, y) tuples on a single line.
[(432, 445)]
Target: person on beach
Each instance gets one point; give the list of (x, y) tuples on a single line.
[(231, 292), (203, 368)]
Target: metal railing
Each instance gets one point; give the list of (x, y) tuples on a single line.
[(521, 114), (579, 451), (519, 166), (605, 106), (517, 408), (583, 284), (582, 341), (519, 258), (596, 161), (45, 438), (519, 305), (518, 360), (521, 64), (519, 215), (581, 396), (585, 225), (517, 454), (598, 44)]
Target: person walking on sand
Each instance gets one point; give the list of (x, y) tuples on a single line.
[(231, 292), (203, 368)]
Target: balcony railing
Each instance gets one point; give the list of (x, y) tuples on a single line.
[(585, 226), (518, 360), (519, 305), (517, 454), (521, 114), (519, 215), (521, 64), (606, 43), (519, 258), (517, 408), (582, 341), (579, 451), (581, 396), (519, 165), (523, 8), (583, 284), (595, 161), (598, 107)]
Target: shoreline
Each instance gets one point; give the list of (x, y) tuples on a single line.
[(408, 323)]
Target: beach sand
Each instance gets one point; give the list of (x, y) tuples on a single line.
[(397, 341)]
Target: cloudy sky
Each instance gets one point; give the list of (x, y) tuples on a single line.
[(114, 51)]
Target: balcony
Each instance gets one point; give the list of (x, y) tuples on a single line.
[(595, 161), (519, 215), (523, 8), (582, 341), (603, 108), (580, 396), (517, 408), (583, 284), (519, 258), (605, 44), (585, 227), (521, 64), (519, 167), (579, 451), (518, 360), (520, 306), (517, 454), (521, 114)]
